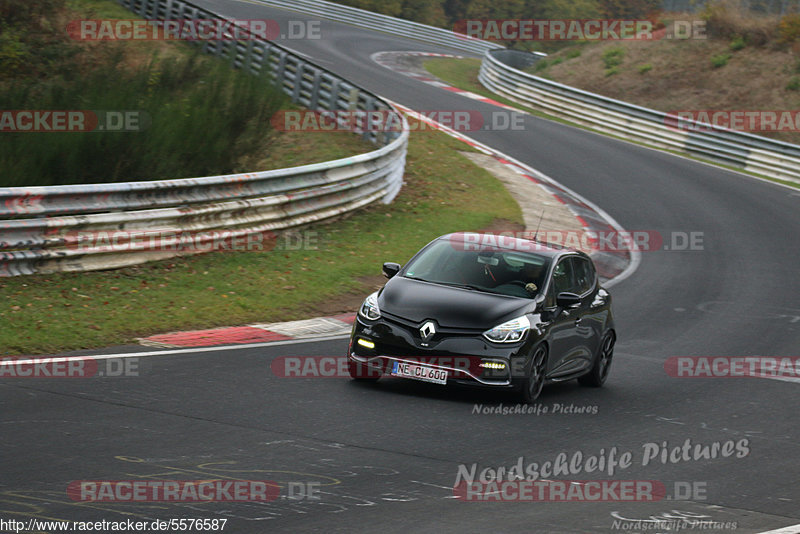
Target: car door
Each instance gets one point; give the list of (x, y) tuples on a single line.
[(566, 355), (589, 318)]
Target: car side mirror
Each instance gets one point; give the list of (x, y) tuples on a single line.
[(567, 300), (390, 269)]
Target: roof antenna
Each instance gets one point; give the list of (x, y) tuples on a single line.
[(538, 225)]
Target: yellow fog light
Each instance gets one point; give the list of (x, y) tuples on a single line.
[(366, 343)]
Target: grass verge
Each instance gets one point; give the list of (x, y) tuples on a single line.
[(444, 192), (463, 74)]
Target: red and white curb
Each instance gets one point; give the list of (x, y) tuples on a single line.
[(339, 325)]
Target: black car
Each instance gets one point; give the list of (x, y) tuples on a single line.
[(487, 310)]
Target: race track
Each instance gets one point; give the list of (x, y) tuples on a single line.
[(386, 455)]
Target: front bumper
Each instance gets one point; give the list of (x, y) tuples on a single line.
[(468, 357)]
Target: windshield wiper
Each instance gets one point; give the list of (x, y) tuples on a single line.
[(454, 284), (463, 286)]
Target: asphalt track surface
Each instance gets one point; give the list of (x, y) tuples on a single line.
[(386, 455)]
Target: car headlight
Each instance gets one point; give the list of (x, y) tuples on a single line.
[(369, 310), (510, 331)]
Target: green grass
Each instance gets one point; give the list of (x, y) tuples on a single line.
[(613, 57), (100, 9), (737, 44), (539, 66), (720, 60), (444, 192)]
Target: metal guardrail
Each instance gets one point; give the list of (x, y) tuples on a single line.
[(752, 153), (384, 23), (41, 227)]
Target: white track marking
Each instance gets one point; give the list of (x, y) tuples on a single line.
[(794, 529), (168, 352)]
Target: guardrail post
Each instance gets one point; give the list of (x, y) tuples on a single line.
[(281, 67), (314, 102), (333, 99), (352, 100), (298, 81)]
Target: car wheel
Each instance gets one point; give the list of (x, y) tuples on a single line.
[(534, 375), (602, 364), (362, 373)]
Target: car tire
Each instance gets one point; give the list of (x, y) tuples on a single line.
[(602, 363), (534, 375), (362, 373)]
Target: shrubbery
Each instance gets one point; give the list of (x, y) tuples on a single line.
[(204, 115)]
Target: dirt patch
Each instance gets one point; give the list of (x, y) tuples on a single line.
[(672, 75)]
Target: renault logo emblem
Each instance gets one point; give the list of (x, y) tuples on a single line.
[(427, 330)]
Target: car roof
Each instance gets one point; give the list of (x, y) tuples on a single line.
[(506, 241)]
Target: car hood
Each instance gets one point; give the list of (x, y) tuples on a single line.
[(450, 307)]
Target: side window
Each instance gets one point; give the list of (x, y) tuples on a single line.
[(563, 277), (584, 275)]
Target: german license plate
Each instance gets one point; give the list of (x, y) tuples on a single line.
[(419, 372)]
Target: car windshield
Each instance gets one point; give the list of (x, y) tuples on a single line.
[(503, 271)]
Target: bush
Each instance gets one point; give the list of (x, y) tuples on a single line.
[(794, 84), (737, 44), (612, 57), (728, 19), (13, 51), (789, 28), (612, 71), (720, 60), (28, 13), (204, 117), (572, 54), (629, 9), (647, 67)]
